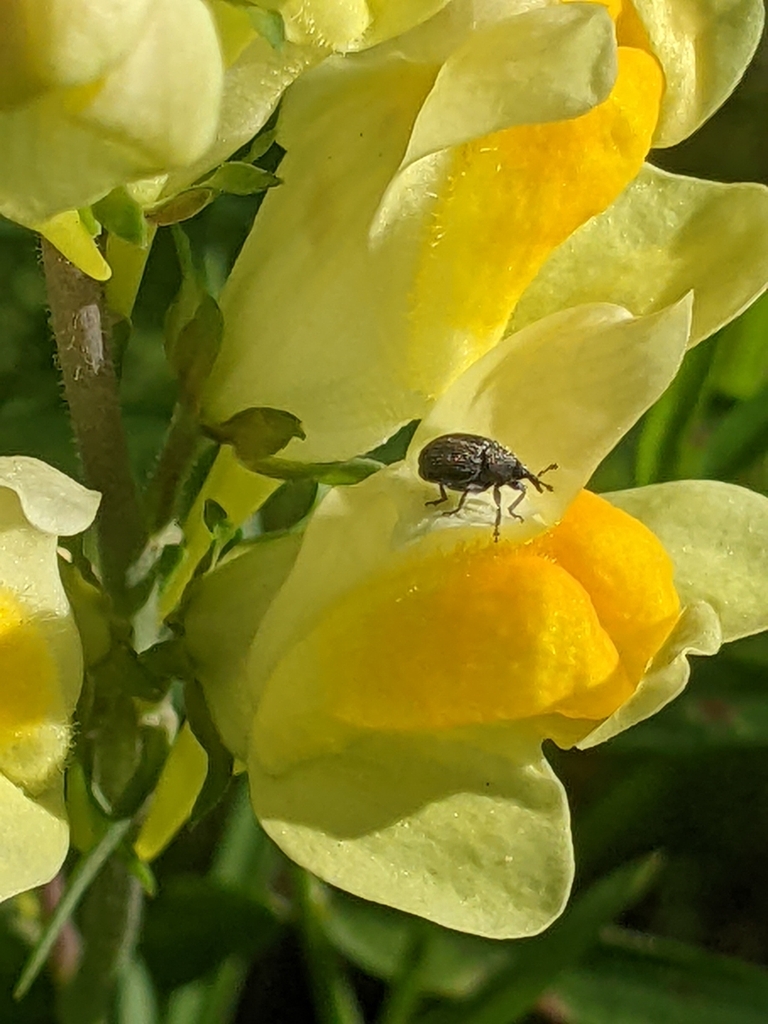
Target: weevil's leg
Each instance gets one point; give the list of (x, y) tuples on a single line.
[(518, 485), (539, 484), (497, 523), (453, 511), (438, 501)]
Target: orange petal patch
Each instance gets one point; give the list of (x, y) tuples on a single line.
[(509, 199)]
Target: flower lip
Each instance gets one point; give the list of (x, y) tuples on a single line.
[(51, 501)]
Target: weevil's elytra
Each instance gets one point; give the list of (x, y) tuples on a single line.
[(471, 464)]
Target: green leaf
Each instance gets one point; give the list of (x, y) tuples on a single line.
[(80, 881), (190, 294), (331, 473), (261, 144), (637, 979), (376, 939), (220, 760), (740, 368), (89, 221), (539, 960), (286, 506), (164, 662), (663, 427), (215, 517), (136, 999), (195, 349), (195, 923), (256, 433), (241, 179), (183, 206), (334, 997), (739, 438), (123, 216), (268, 24)]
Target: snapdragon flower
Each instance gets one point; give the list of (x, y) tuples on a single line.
[(389, 679), (94, 94), (480, 172), (42, 666)]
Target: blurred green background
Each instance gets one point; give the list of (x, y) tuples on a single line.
[(669, 919)]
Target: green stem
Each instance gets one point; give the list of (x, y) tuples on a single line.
[(109, 923), (335, 1001), (175, 459), (405, 994), (83, 876), (81, 330)]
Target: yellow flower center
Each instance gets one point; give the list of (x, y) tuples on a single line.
[(558, 629), (34, 733), (512, 197), (30, 692)]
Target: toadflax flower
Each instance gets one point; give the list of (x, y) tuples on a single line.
[(480, 172), (389, 683), (40, 664), (94, 94)]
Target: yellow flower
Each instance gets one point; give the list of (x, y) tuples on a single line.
[(94, 94), (40, 664), (478, 173), (352, 24), (258, 72), (390, 682)]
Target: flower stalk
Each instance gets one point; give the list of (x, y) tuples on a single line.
[(81, 328)]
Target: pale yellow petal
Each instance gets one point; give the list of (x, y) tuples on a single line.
[(223, 617), (564, 390), (164, 98), (52, 502), (35, 838), (174, 797), (664, 236), (314, 320), (155, 109), (548, 64), (239, 492), (475, 841), (704, 47), (28, 569), (68, 42), (717, 536), (252, 87), (390, 18), (346, 126), (328, 23), (51, 164), (697, 632)]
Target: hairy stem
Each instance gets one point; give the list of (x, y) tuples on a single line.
[(81, 329)]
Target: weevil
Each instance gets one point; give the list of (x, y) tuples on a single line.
[(471, 464)]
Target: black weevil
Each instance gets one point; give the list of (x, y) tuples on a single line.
[(472, 464)]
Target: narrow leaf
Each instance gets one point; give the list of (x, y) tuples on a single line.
[(541, 959), (80, 881), (241, 178)]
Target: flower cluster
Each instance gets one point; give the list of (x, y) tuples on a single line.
[(467, 234)]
